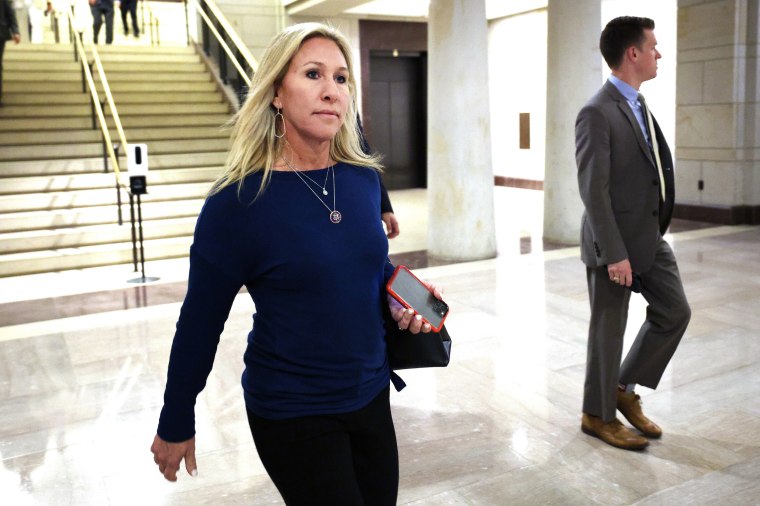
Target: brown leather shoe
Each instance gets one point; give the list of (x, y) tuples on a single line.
[(629, 404), (613, 433)]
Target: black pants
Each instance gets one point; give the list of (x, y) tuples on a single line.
[(100, 11), (2, 50), (131, 9), (346, 459)]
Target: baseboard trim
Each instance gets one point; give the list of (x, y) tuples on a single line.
[(722, 215), (514, 182)]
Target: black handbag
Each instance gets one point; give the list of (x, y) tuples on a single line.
[(413, 351)]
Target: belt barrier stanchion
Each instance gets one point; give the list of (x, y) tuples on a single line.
[(137, 163)]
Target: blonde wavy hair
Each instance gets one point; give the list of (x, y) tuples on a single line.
[(254, 146)]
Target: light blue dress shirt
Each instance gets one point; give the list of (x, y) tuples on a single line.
[(631, 95)]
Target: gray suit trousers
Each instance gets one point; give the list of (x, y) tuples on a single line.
[(667, 316)]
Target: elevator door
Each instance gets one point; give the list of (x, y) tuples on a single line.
[(399, 128)]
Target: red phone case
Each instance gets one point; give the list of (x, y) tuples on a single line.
[(403, 302)]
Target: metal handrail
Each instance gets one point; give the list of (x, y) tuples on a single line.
[(236, 51), (98, 108), (228, 28), (224, 45), (109, 97), (153, 21)]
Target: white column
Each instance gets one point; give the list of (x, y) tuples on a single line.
[(573, 73), (460, 176)]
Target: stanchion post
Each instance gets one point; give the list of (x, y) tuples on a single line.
[(134, 228), (137, 162)]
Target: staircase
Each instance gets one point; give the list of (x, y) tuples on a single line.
[(57, 205)]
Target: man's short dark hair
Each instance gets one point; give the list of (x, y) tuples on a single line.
[(620, 34)]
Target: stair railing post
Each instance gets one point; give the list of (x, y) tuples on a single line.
[(134, 229), (92, 103), (240, 87), (54, 23), (140, 232), (142, 18), (205, 31), (103, 137), (187, 22), (118, 188), (221, 55), (92, 115)]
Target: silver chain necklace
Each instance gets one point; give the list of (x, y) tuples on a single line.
[(335, 215), (324, 186)]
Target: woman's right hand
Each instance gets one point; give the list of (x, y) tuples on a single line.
[(408, 319), (169, 455)]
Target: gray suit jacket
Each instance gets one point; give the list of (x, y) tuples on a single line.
[(617, 175)]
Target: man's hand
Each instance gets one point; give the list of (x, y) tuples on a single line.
[(391, 225), (169, 455), (620, 273)]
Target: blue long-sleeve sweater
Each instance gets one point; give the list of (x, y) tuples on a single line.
[(317, 344)]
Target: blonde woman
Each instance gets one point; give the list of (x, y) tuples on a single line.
[(296, 219)]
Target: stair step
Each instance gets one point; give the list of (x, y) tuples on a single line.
[(97, 197), (110, 65), (116, 49), (73, 75), (89, 165), (36, 58), (75, 86), (38, 111), (75, 237), (62, 218), (120, 98), (164, 97), (61, 183), (57, 207), (93, 149), (77, 123), (113, 77), (136, 135), (17, 264), (60, 98), (15, 65), (145, 68), (166, 59), (103, 50)]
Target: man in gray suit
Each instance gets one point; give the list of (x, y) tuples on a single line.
[(625, 176)]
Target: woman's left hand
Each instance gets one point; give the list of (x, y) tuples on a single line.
[(408, 319)]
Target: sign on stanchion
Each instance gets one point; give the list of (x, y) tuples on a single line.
[(137, 165)]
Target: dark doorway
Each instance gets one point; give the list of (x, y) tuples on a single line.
[(398, 104)]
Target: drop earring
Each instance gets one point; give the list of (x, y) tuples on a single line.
[(282, 118)]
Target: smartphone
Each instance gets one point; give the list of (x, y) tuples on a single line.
[(406, 288)]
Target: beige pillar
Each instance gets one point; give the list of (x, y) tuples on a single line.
[(460, 176), (255, 21), (718, 111), (573, 73)]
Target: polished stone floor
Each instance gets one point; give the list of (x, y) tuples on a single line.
[(83, 358)]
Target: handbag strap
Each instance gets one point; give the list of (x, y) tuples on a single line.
[(398, 383)]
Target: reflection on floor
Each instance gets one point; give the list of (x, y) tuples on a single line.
[(83, 358)]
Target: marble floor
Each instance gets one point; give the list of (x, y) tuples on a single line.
[(83, 357)]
